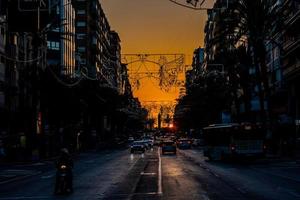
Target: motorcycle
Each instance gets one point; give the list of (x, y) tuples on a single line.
[(63, 180)]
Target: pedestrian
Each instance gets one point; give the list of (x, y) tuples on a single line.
[(2, 151)]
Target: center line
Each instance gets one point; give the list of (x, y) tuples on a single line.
[(159, 173)]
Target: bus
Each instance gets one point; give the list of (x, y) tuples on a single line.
[(233, 141)]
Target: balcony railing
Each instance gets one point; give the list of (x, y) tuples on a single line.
[(292, 69), (291, 44), (294, 14)]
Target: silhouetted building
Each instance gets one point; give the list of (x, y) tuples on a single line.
[(291, 58), (2, 61), (61, 40), (93, 39)]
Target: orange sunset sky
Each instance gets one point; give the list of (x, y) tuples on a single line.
[(155, 26)]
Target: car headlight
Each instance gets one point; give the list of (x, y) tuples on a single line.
[(63, 167)]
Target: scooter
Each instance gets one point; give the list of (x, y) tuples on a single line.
[(63, 180)]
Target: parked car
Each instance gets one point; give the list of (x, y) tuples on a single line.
[(168, 146), (184, 144), (149, 143), (157, 142), (130, 140), (198, 142), (138, 146)]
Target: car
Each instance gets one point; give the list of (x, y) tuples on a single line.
[(168, 146), (157, 142), (198, 142), (184, 144), (138, 146), (149, 143), (130, 139)]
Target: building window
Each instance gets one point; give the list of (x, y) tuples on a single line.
[(81, 36), (83, 61), (2, 31), (278, 75), (52, 45), (94, 40), (55, 29), (2, 59), (81, 49), (80, 12), (81, 24)]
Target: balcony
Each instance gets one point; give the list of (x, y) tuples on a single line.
[(292, 71), (12, 50), (294, 14), (290, 45), (2, 72), (2, 44)]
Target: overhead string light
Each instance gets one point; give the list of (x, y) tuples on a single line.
[(197, 5)]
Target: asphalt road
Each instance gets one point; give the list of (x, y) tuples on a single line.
[(113, 175)]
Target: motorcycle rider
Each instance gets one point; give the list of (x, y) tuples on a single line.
[(64, 159)]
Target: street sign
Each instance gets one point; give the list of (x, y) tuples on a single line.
[(33, 5)]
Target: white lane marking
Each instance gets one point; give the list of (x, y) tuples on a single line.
[(133, 164), (131, 157), (147, 193), (294, 194), (46, 177), (290, 192), (89, 161), (275, 174), (15, 177), (148, 173), (241, 190), (23, 197), (159, 173), (205, 197)]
